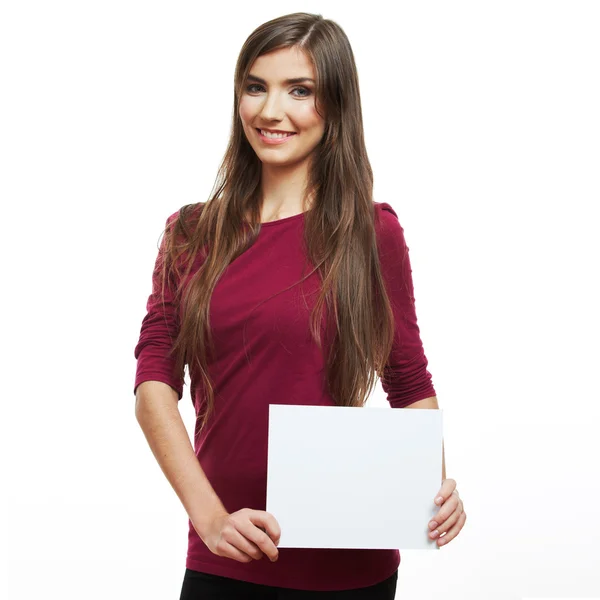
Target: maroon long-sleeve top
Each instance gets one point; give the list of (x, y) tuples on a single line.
[(265, 355)]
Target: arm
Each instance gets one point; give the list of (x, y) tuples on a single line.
[(406, 380), (157, 412), (431, 402), (159, 329), (157, 390)]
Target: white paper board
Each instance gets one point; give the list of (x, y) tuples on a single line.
[(349, 477)]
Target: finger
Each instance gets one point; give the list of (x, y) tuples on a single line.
[(237, 540), (260, 538), (447, 509), (226, 550), (445, 526), (267, 523), (448, 485), (454, 531)]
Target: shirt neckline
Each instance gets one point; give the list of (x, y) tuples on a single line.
[(284, 220)]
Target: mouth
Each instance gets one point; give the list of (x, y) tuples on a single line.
[(286, 133)]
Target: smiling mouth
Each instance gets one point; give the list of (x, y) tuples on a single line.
[(276, 132)]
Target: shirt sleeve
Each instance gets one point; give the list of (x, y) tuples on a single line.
[(405, 377), (158, 332)]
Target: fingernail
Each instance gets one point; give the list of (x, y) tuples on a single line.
[(433, 525), (438, 500)]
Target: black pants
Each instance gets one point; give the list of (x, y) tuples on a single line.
[(202, 586)]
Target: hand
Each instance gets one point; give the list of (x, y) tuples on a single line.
[(451, 517), (243, 535)]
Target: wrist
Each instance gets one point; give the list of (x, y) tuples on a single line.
[(202, 520)]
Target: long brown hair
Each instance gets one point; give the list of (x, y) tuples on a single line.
[(339, 229)]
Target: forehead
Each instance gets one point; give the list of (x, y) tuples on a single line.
[(285, 63)]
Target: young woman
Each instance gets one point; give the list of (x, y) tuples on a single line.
[(289, 285)]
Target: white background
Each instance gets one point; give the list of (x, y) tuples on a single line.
[(483, 130)]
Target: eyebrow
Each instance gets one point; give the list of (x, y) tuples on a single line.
[(292, 80)]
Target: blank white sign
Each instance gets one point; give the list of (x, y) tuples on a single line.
[(350, 477)]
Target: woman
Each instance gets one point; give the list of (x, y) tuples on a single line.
[(290, 285)]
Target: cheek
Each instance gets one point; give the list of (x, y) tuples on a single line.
[(308, 118), (246, 111)]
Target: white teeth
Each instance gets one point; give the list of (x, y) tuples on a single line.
[(274, 135)]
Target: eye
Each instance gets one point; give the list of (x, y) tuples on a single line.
[(303, 88), (251, 89), (252, 85)]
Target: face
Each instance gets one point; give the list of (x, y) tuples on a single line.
[(269, 101)]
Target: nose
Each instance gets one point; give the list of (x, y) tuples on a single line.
[(271, 110)]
